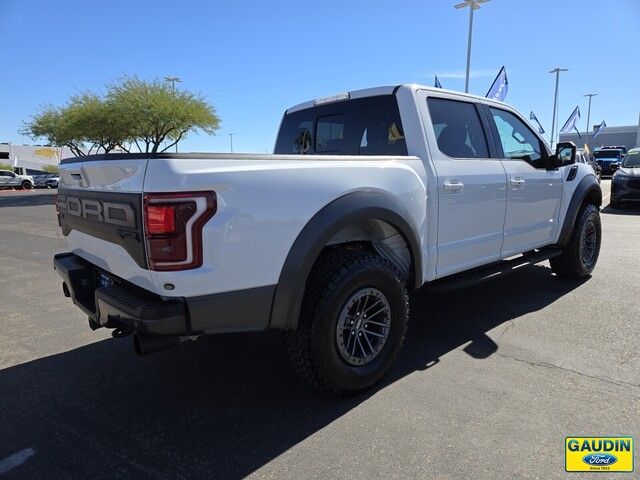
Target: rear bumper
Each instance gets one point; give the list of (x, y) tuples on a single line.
[(126, 305), (121, 304)]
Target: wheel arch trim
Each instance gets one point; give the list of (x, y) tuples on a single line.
[(588, 186), (345, 210)]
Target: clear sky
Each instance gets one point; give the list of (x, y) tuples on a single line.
[(253, 59)]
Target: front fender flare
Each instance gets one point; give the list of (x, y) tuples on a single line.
[(588, 187), (345, 210)]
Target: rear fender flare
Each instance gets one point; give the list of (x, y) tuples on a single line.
[(346, 210)]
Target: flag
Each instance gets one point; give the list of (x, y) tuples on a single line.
[(599, 129), (499, 87), (571, 121), (532, 116), (437, 83)]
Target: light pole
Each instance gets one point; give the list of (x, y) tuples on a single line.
[(586, 137), (473, 5), (231, 140), (555, 101), (173, 81)]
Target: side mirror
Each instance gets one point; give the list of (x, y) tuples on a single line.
[(566, 153)]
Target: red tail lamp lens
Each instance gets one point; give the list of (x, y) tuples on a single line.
[(173, 224)]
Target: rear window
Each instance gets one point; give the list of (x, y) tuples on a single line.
[(363, 126)]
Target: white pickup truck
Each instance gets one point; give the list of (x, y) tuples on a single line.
[(369, 195)]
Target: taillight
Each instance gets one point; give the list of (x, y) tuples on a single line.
[(173, 228)]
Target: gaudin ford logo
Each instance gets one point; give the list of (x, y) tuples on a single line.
[(120, 214), (599, 459), (599, 454)]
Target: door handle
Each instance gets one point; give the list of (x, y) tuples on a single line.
[(516, 182), (453, 186)]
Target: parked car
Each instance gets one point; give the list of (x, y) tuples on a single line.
[(625, 184), (622, 148), (608, 159), (370, 194), (9, 179), (52, 182)]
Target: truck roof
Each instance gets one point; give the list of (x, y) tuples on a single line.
[(387, 90)]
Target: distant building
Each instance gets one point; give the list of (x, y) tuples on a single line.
[(32, 159), (629, 136)]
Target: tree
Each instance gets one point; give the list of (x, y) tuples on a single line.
[(133, 111), (6, 166), (97, 123), (50, 168), (57, 127), (156, 112)]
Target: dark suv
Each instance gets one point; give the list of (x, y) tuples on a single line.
[(608, 159), (625, 184)]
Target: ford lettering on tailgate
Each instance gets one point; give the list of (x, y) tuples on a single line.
[(111, 216)]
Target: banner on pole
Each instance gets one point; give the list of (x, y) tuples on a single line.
[(570, 124), (499, 87), (532, 116), (599, 130)]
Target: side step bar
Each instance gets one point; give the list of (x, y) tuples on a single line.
[(491, 271)]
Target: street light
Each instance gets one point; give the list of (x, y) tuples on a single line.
[(590, 95), (173, 81), (231, 140), (473, 5), (555, 101)]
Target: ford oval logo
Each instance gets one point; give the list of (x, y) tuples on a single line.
[(599, 459)]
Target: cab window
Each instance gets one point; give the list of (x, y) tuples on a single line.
[(517, 140), (457, 128)]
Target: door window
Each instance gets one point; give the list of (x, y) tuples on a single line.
[(457, 128), (518, 140)]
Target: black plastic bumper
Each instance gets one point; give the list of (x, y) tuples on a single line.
[(625, 189), (121, 304)]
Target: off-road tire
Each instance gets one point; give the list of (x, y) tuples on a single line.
[(312, 347), (572, 264)]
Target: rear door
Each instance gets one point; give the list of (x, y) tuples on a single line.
[(471, 186), (533, 192), (5, 177)]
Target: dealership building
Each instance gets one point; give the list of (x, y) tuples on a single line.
[(628, 136)]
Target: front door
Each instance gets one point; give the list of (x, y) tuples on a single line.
[(533, 192), (471, 187)]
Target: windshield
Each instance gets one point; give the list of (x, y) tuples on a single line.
[(608, 154), (632, 160)]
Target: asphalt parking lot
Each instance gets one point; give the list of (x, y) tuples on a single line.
[(491, 380)]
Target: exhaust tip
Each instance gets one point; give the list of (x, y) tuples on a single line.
[(145, 344)]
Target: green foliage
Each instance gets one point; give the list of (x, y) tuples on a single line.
[(50, 168), (155, 112), (133, 112), (57, 128), (6, 166)]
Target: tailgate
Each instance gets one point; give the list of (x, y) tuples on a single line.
[(100, 214)]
